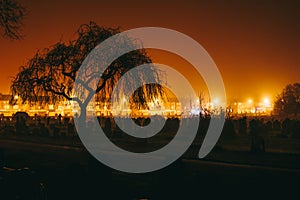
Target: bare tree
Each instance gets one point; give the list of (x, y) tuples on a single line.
[(201, 99), (11, 17), (51, 73)]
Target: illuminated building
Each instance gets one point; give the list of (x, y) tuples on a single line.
[(99, 108), (250, 107)]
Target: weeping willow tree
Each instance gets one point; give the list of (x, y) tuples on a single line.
[(51, 72), (11, 16)]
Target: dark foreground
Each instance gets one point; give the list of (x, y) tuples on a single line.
[(70, 173)]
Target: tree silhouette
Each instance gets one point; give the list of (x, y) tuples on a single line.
[(288, 101), (11, 16), (51, 73), (200, 99)]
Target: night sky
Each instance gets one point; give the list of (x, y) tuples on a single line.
[(255, 44)]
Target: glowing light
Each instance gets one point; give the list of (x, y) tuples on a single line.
[(195, 111), (216, 101), (267, 102), (250, 100)]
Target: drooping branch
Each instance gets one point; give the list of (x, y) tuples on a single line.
[(11, 17)]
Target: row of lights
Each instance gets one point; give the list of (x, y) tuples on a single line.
[(266, 102)]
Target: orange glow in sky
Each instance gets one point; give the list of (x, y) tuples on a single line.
[(255, 44)]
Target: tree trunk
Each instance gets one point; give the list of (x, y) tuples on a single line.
[(82, 113), (82, 118)]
